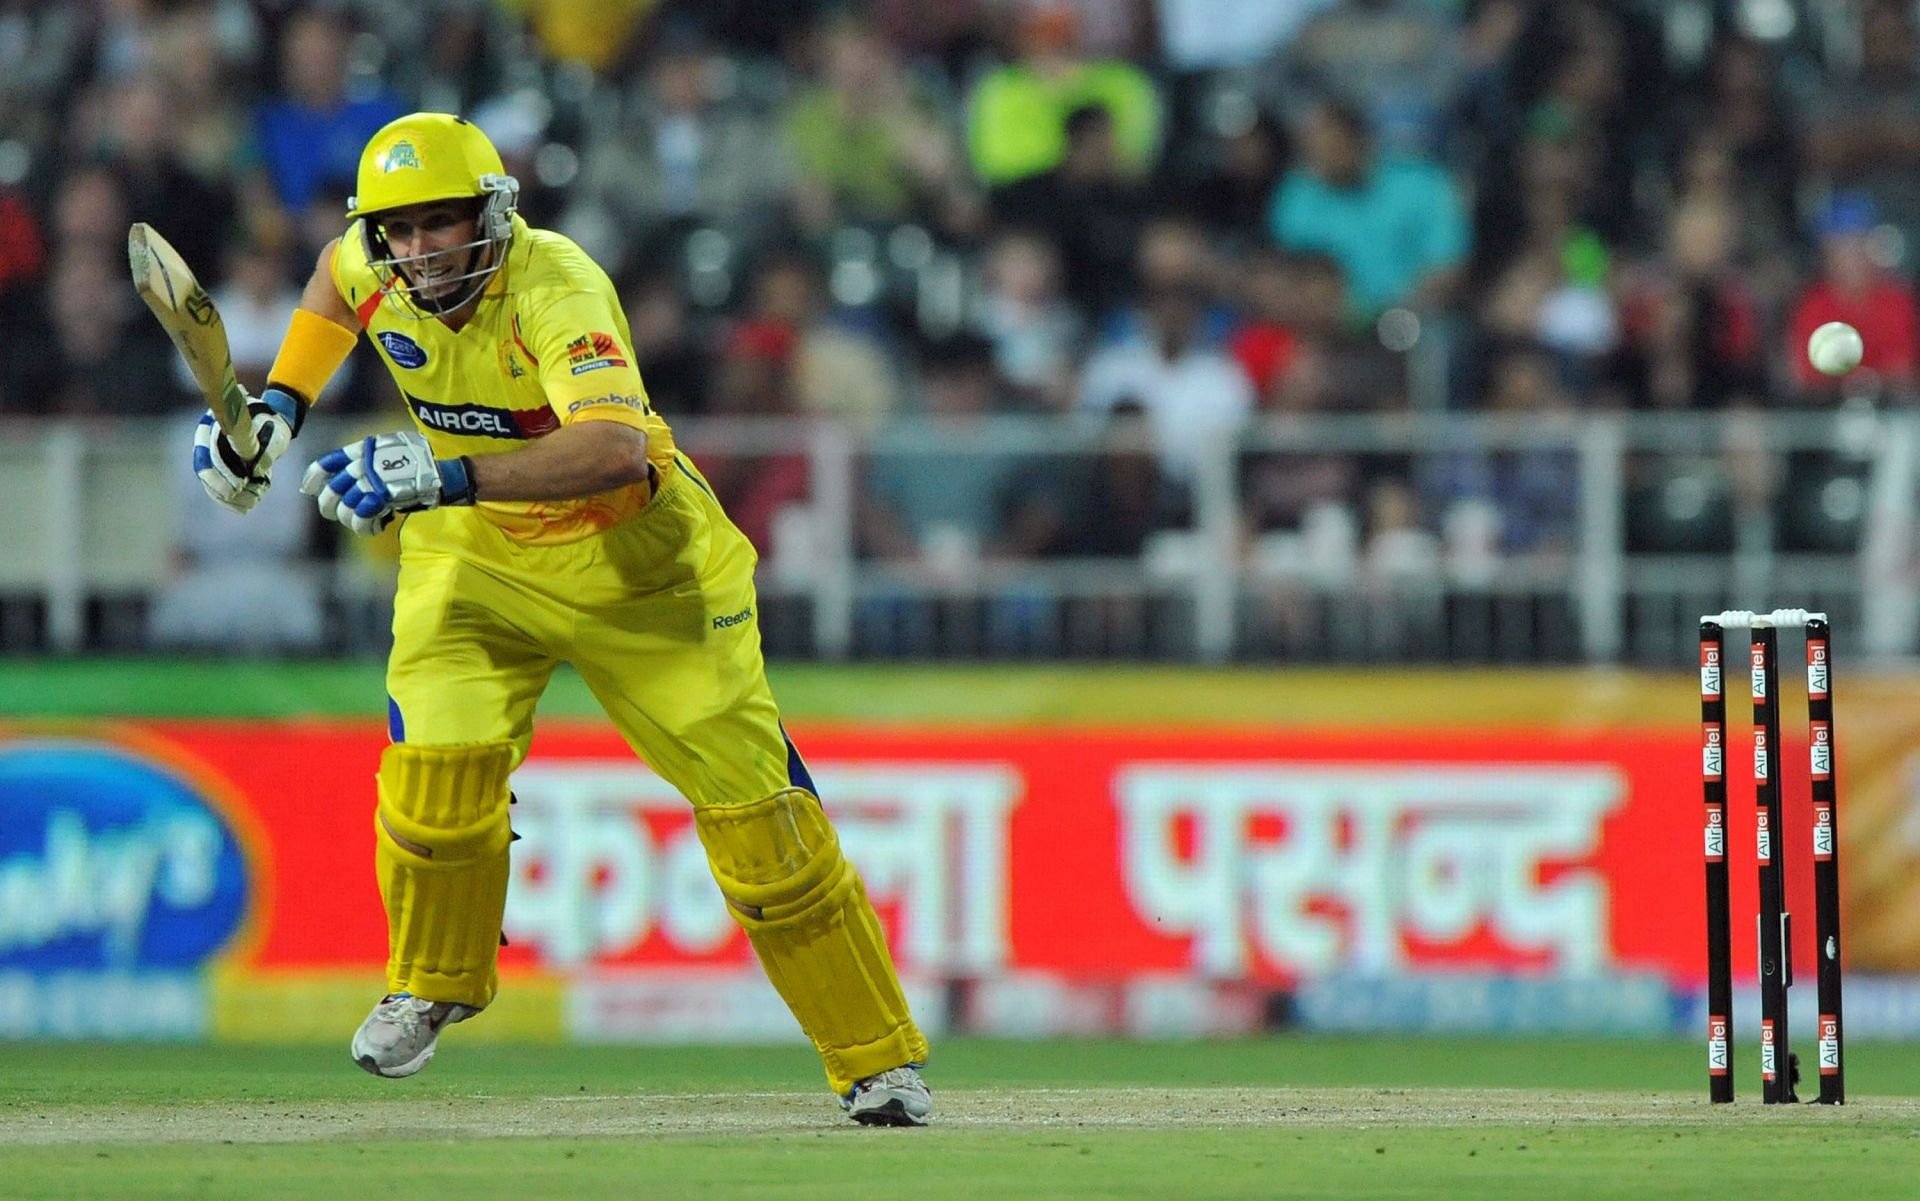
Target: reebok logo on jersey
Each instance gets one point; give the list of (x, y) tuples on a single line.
[(631, 400), (732, 619), (591, 352), (481, 421)]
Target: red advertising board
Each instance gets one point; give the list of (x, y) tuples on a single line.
[(1079, 853)]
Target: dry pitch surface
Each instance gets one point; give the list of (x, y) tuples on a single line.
[(479, 1116)]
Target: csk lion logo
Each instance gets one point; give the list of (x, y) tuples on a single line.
[(400, 156)]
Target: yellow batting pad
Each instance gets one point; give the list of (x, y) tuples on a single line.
[(441, 856), (806, 913)]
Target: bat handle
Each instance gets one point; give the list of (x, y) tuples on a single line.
[(240, 432)]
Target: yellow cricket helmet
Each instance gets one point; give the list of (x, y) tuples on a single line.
[(423, 157)]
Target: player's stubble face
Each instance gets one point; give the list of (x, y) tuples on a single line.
[(437, 230)]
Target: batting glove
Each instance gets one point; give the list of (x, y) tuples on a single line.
[(364, 485), (236, 482)]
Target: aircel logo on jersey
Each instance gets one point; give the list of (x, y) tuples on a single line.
[(631, 400), (404, 350), (482, 421), (591, 352), (111, 862)]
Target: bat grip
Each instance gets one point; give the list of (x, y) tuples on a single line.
[(237, 421)]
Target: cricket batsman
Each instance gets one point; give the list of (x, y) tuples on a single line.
[(547, 517)]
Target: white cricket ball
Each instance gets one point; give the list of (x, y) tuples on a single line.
[(1835, 348)]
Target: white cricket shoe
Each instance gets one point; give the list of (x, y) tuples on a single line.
[(398, 1037), (896, 1097)]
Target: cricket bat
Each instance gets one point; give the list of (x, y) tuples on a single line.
[(186, 312)]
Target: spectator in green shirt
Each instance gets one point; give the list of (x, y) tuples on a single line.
[(866, 147), (1017, 114)]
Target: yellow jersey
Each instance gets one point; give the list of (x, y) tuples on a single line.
[(548, 346)]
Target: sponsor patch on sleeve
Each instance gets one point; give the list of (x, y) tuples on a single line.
[(591, 352)]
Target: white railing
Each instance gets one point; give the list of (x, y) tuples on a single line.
[(94, 510)]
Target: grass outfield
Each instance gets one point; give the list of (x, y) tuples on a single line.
[(1269, 1118)]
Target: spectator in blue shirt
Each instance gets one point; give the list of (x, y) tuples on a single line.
[(1395, 225), (311, 133)]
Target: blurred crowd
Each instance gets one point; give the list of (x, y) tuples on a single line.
[(1176, 215)]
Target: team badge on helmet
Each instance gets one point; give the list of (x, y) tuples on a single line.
[(400, 156)]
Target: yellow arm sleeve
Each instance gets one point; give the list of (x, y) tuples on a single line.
[(312, 351)]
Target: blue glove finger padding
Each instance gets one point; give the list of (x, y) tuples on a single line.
[(364, 483), (202, 455), (371, 478)]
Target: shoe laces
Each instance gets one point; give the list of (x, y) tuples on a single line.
[(900, 1077), (405, 1011)]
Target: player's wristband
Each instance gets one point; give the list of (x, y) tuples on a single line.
[(311, 352), (456, 480), (288, 405)]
